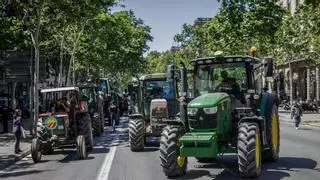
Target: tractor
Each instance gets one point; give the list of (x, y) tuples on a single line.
[(227, 113), (64, 121), (157, 104), (95, 104)]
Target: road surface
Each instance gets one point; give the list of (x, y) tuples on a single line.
[(112, 159)]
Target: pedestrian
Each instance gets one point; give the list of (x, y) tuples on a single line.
[(296, 114), (17, 129)]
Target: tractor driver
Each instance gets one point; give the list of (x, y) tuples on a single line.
[(229, 83)]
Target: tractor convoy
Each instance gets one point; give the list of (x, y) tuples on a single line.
[(228, 111)]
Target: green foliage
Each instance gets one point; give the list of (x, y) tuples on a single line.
[(83, 31), (241, 24)]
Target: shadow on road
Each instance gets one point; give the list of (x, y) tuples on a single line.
[(21, 173), (277, 170)]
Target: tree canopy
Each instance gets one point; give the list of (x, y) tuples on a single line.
[(241, 24), (82, 34)]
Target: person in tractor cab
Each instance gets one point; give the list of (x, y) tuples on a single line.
[(229, 83), (62, 106)]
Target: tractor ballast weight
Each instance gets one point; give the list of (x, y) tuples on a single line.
[(223, 118), (156, 106)]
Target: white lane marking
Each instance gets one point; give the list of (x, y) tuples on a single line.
[(106, 166)]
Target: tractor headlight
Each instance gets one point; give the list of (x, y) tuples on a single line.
[(211, 110), (192, 111)]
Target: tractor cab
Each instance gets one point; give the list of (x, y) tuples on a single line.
[(155, 88)]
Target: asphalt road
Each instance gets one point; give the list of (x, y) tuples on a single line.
[(112, 158)]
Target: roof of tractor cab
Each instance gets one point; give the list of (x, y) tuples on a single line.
[(59, 89), (153, 76), (225, 59)]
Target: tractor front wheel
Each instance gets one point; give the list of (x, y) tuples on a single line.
[(36, 150), (249, 150), (136, 134), (172, 163)]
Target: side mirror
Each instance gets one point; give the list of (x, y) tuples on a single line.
[(170, 73), (268, 67)]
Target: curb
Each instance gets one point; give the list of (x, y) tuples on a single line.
[(16, 159)]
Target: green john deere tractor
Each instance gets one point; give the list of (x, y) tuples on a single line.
[(156, 101), (231, 112)]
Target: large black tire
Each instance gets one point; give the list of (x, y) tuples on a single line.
[(36, 150), (102, 121), (273, 135), (85, 129), (96, 124), (249, 150), (136, 134), (205, 160), (81, 147), (172, 164)]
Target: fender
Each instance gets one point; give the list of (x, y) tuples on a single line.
[(136, 116)]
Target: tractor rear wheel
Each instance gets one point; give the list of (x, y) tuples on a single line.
[(81, 147), (136, 134), (85, 129), (172, 163), (36, 150), (96, 124), (249, 150), (273, 136)]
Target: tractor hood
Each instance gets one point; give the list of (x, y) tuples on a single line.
[(208, 100)]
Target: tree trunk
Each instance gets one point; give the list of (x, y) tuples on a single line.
[(61, 61), (291, 83), (72, 59)]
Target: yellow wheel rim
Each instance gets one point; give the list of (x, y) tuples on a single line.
[(275, 131), (180, 161), (258, 150)]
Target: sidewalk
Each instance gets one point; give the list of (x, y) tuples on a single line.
[(309, 119), (7, 142)]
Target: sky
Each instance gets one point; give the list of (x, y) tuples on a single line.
[(166, 17)]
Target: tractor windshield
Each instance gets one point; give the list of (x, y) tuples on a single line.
[(156, 89), (211, 78)]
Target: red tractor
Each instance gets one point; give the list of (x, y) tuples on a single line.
[(64, 121)]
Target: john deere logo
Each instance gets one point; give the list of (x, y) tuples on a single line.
[(51, 123)]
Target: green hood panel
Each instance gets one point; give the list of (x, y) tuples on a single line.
[(208, 100), (198, 136)]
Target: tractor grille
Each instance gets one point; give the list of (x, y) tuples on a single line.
[(203, 121), (59, 129)]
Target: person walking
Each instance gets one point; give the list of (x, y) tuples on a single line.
[(296, 114), (17, 124)]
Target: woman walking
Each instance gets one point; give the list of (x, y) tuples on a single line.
[(17, 129)]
